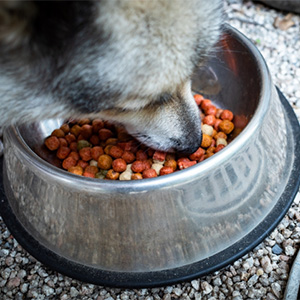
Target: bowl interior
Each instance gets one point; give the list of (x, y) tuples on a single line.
[(231, 79)]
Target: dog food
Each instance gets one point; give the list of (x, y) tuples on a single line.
[(98, 149)]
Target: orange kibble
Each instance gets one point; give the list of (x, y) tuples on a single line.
[(85, 153), (128, 156), (82, 122), (116, 151), (209, 120), (166, 170), (198, 98), (206, 141), (69, 162), (52, 143), (105, 134), (198, 154), (113, 175), (136, 176), (76, 170), (63, 152), (184, 163), (205, 104), (107, 149), (76, 130), (104, 162), (119, 165), (226, 126), (96, 152), (138, 166), (149, 173), (226, 115), (171, 163), (211, 110), (58, 133)]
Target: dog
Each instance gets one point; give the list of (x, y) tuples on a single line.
[(126, 61)]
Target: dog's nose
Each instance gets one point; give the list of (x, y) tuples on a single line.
[(188, 145)]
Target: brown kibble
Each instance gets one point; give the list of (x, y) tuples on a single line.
[(206, 141), (75, 155), (69, 162), (63, 142), (111, 141), (85, 154), (63, 152), (52, 143), (65, 128), (149, 173), (104, 162), (83, 164), (58, 133), (105, 134), (95, 140), (96, 152), (113, 175), (86, 131), (76, 130), (70, 138), (73, 146), (91, 169), (221, 135), (119, 165), (128, 156), (116, 151), (226, 126), (141, 155), (97, 125), (171, 163), (136, 176)]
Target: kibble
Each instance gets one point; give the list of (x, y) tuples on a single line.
[(98, 149)]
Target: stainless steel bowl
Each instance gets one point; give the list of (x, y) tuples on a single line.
[(171, 228)]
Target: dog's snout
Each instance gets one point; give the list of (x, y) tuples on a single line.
[(188, 145)]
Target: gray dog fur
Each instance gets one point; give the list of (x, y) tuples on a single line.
[(126, 61)]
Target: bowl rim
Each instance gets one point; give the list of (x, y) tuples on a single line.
[(186, 175)]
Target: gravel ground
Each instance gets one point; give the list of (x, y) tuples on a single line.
[(262, 273)]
